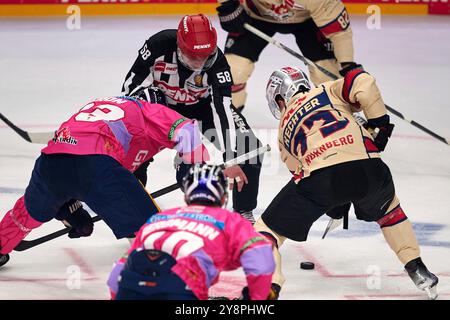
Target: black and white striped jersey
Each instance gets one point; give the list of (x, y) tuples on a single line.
[(187, 92)]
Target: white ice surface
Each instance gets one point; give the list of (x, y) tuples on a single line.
[(48, 72)]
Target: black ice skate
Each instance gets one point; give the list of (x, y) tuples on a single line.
[(4, 258), (248, 215), (422, 278)]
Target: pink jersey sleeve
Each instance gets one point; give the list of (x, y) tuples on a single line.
[(254, 253)]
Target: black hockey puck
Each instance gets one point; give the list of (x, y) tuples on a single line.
[(307, 265)]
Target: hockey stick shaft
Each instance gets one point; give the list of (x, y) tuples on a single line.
[(308, 62), (27, 244)]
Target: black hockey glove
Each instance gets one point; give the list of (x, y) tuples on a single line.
[(384, 132), (73, 214), (349, 66), (339, 211), (232, 16)]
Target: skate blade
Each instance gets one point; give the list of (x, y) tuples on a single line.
[(432, 293)]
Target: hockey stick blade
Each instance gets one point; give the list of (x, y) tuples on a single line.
[(27, 244), (33, 137)]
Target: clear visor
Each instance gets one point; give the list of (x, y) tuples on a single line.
[(197, 63)]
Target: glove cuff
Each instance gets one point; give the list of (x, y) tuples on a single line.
[(378, 122)]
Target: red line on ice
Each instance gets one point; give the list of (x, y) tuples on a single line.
[(323, 271), (228, 286), (84, 266)]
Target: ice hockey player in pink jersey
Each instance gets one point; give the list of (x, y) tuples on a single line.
[(91, 159), (179, 253)]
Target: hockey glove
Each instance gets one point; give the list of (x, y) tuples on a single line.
[(232, 16), (73, 215), (349, 66), (382, 129)]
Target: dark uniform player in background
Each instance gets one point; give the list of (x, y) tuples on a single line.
[(195, 76), (335, 161), (321, 29)]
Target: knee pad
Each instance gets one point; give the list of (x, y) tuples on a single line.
[(317, 76), (241, 70), (393, 217)]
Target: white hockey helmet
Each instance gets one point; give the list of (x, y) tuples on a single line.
[(285, 83)]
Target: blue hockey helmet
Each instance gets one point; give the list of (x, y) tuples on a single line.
[(205, 184)]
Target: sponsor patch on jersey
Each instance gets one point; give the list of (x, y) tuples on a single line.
[(63, 136), (169, 68), (181, 95)]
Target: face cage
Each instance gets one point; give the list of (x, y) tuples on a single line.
[(275, 109), (185, 61), (218, 192)]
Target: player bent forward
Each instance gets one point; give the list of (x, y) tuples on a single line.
[(179, 253), (336, 161), (91, 159)]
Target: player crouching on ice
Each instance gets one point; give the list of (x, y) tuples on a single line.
[(335, 161), (92, 158), (179, 253)]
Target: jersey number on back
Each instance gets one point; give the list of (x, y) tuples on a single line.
[(330, 125), (182, 241)]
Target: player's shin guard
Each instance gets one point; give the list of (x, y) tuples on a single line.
[(16, 225), (277, 240), (317, 76), (399, 234)]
